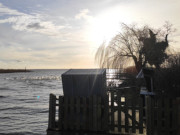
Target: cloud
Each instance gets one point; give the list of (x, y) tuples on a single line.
[(83, 15), (8, 11), (19, 61), (10, 60), (35, 26), (29, 22)]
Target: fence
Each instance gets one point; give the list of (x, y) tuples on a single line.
[(123, 111), (162, 115), (133, 113), (126, 111), (80, 114)]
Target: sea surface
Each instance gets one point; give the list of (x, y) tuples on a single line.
[(24, 101)]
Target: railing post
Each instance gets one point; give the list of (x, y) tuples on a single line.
[(95, 113), (126, 113), (52, 112), (99, 114), (148, 115), (84, 112), (106, 114), (66, 112), (140, 114), (61, 110), (176, 113), (119, 110), (112, 111)]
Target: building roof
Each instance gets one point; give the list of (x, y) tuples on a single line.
[(84, 71), (145, 72)]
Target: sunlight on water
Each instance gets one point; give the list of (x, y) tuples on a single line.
[(24, 101), (35, 78)]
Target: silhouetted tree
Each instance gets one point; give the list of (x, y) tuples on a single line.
[(138, 45), (153, 50), (167, 79)]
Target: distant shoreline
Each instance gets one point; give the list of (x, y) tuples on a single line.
[(13, 70)]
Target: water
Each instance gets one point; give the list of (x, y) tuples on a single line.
[(24, 101)]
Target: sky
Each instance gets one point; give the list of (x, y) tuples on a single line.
[(46, 34)]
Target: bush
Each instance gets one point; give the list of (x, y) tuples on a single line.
[(167, 79)]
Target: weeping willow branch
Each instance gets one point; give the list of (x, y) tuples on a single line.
[(133, 45)]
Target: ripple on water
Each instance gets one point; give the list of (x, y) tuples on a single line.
[(21, 111)]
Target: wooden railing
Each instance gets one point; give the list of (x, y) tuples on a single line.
[(126, 111), (78, 113), (122, 111), (162, 115)]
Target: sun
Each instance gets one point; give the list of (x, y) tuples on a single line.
[(106, 25)]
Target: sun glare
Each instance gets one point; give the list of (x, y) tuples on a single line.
[(106, 25)]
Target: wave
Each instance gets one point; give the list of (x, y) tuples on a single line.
[(20, 133), (6, 88), (35, 78), (25, 110), (3, 96), (21, 111), (12, 108), (41, 78)]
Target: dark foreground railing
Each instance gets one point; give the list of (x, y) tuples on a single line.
[(161, 115), (122, 111), (76, 113)]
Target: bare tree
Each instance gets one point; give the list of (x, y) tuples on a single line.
[(139, 46)]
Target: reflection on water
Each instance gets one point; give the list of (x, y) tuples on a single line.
[(24, 101)]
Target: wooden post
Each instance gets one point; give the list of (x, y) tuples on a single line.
[(72, 116), (152, 114), (133, 101), (84, 126), (90, 113), (95, 113), (119, 110), (99, 113), (159, 115), (167, 114), (126, 114), (66, 106), (52, 112), (141, 115), (176, 114), (77, 113), (148, 115), (112, 110), (106, 114), (61, 110)]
